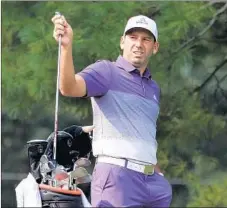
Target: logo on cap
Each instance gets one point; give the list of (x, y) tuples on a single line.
[(142, 21)]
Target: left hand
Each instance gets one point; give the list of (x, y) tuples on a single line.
[(88, 129)]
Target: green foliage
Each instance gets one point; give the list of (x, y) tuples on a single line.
[(32, 74), (188, 130), (28, 37), (211, 194)]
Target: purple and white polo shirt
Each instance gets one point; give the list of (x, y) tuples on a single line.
[(125, 110)]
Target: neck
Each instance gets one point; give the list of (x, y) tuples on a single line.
[(142, 70)]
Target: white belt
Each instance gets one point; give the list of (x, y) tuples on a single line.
[(146, 169)]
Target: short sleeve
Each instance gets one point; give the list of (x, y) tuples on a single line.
[(97, 77)]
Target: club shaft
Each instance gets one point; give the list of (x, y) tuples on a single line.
[(57, 100)]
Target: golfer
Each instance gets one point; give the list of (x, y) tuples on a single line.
[(125, 102)]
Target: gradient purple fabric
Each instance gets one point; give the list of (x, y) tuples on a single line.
[(125, 111), (115, 186)]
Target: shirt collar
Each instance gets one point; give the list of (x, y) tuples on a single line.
[(122, 63)]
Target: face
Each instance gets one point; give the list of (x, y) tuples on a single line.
[(138, 46)]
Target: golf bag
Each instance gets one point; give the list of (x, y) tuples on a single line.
[(72, 145)]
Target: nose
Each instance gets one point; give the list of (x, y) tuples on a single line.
[(138, 42)]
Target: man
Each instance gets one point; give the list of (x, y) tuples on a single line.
[(125, 102)]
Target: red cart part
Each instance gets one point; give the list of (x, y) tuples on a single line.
[(76, 192)]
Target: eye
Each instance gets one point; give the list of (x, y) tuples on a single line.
[(148, 39), (133, 37)]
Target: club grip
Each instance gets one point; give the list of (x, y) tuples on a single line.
[(57, 13)]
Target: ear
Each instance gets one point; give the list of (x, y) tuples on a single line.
[(156, 47), (122, 42)]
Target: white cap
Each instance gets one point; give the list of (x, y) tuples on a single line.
[(142, 22)]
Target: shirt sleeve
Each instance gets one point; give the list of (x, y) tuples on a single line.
[(97, 78), (157, 91)]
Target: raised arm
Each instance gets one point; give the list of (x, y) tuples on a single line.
[(71, 84)]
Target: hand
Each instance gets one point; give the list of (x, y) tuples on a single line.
[(87, 129), (61, 27)]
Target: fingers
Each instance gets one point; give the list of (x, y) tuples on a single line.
[(87, 129), (60, 25), (59, 30), (58, 18)]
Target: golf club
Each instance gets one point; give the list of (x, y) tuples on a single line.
[(46, 166), (57, 96), (59, 174), (63, 182), (82, 162), (77, 173), (85, 179)]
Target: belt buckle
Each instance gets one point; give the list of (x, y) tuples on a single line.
[(148, 170)]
